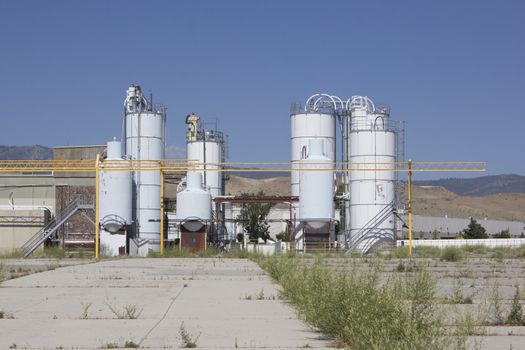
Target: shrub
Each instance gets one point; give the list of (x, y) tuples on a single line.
[(451, 254)]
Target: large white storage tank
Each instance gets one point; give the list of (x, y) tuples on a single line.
[(144, 127), (194, 203), (206, 149), (316, 189), (316, 120), (115, 201), (370, 144)]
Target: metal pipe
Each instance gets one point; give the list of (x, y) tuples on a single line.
[(410, 207), (161, 212), (97, 226)]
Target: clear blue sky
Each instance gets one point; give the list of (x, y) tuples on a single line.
[(453, 70)]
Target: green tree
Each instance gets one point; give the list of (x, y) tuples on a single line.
[(474, 231), (503, 234), (253, 218)]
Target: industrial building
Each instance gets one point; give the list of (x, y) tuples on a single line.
[(135, 201)]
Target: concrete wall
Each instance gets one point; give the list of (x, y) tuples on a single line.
[(77, 153), (20, 219)]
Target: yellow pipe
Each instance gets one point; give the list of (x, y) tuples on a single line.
[(410, 207), (97, 227), (161, 212)]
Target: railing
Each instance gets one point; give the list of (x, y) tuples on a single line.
[(38, 238), (367, 233)]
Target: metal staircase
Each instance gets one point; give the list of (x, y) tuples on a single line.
[(40, 237), (368, 233)]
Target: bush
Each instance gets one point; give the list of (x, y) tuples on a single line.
[(451, 254)]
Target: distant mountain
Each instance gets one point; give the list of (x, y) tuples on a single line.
[(480, 186), (35, 152)]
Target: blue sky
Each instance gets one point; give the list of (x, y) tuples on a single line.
[(454, 71)]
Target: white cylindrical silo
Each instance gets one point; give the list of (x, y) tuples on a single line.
[(207, 153), (194, 204), (306, 126), (371, 152), (144, 134), (115, 201), (316, 188)]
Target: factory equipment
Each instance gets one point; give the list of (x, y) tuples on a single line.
[(194, 212), (315, 120), (144, 127), (115, 201), (316, 197), (371, 146), (206, 149)]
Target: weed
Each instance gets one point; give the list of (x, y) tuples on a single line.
[(6, 315), (85, 310), (110, 346), (260, 295), (4, 272), (131, 344), (515, 317), (50, 252), (495, 306), (187, 340), (129, 311), (451, 254), (457, 293), (357, 309)]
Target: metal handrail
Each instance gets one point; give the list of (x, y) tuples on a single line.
[(38, 238)]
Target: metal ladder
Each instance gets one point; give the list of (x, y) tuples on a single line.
[(34, 242), (367, 232)]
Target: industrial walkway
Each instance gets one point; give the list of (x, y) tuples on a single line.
[(224, 303)]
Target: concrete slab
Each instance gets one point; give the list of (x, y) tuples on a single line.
[(226, 303)]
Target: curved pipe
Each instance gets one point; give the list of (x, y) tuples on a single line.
[(321, 96), (368, 103)]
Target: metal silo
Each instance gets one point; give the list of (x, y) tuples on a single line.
[(316, 197), (144, 127), (206, 149), (315, 120), (370, 146), (115, 201), (194, 212)]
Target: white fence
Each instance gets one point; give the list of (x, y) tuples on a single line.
[(442, 243), (268, 249)]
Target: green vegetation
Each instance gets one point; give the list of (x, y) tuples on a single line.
[(129, 311), (474, 231), (187, 340), (253, 218), (4, 272), (515, 317), (451, 254), (503, 234), (360, 311)]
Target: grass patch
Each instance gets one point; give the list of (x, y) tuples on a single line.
[(50, 252), (451, 254), (360, 311), (4, 272)]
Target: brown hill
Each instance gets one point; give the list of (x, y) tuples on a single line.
[(428, 200), (437, 201), (273, 186)]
